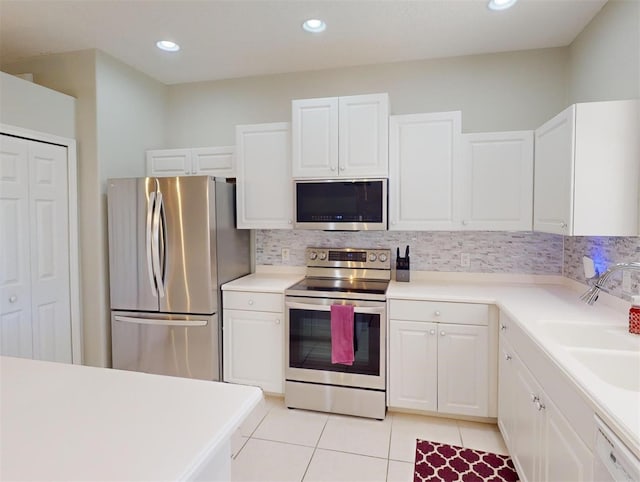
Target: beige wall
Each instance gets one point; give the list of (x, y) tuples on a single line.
[(506, 91), (119, 114), (31, 106), (605, 57)]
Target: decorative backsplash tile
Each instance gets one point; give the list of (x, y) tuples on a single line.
[(489, 252), (604, 251)]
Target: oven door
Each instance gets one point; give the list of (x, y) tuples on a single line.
[(308, 343)]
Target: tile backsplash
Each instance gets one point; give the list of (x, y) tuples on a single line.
[(489, 252), (605, 251)]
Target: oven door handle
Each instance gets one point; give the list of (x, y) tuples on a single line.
[(356, 308)]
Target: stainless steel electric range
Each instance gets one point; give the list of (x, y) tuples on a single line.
[(357, 277)]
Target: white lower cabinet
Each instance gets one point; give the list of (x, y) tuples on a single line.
[(440, 362), (253, 335), (544, 444)]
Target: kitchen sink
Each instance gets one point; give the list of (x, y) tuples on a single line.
[(617, 368), (591, 335)]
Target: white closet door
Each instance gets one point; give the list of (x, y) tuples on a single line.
[(49, 233), (15, 296)]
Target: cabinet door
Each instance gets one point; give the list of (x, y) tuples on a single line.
[(169, 162), (265, 190), (527, 423), (315, 137), (498, 181), (424, 166), (554, 174), (253, 349), (506, 385), (413, 359), (463, 369), (363, 135), (15, 276), (214, 161), (564, 454)]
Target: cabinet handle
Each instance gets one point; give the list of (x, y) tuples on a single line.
[(563, 225), (464, 222), (333, 168), (277, 322), (250, 302), (342, 168), (13, 299), (442, 333), (507, 356), (503, 327), (539, 405), (289, 221), (437, 313), (534, 398), (432, 332)]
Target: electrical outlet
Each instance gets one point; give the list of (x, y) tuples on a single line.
[(465, 260), (285, 254), (626, 281)]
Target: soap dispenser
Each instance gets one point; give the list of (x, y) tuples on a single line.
[(634, 315)]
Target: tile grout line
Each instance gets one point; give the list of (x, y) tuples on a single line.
[(315, 448), (389, 448)]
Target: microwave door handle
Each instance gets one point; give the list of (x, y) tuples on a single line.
[(159, 322), (149, 241), (311, 307)]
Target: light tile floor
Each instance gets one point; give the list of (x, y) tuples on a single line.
[(277, 444)]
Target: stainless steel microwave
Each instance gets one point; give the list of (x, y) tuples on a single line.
[(341, 205)]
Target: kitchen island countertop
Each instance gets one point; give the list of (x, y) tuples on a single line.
[(72, 422)]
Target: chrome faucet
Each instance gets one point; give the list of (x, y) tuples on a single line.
[(597, 282)]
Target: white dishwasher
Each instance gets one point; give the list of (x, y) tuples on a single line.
[(613, 460)]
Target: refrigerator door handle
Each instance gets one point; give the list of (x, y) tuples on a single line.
[(157, 267), (154, 321), (150, 207)]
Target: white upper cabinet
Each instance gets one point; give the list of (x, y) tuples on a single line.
[(424, 171), (587, 170), (264, 191), (340, 137), (497, 181), (210, 161)]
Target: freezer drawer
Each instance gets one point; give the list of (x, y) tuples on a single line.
[(177, 345)]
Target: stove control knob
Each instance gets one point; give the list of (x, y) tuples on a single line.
[(382, 257), (372, 257), (322, 255), (313, 255)]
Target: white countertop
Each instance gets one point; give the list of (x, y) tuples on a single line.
[(528, 304), (264, 282), (71, 422)]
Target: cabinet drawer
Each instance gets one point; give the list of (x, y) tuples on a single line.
[(439, 312), (252, 301)]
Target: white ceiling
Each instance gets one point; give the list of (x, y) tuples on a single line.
[(237, 38)]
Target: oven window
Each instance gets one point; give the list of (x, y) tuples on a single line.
[(310, 342)]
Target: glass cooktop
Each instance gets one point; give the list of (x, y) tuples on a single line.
[(319, 286)]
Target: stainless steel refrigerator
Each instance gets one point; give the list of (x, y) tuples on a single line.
[(172, 244)]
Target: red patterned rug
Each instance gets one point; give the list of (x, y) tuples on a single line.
[(437, 462)]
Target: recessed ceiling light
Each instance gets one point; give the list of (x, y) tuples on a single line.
[(314, 25), (501, 4), (167, 45)]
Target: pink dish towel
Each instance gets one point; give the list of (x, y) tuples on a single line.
[(342, 334)]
